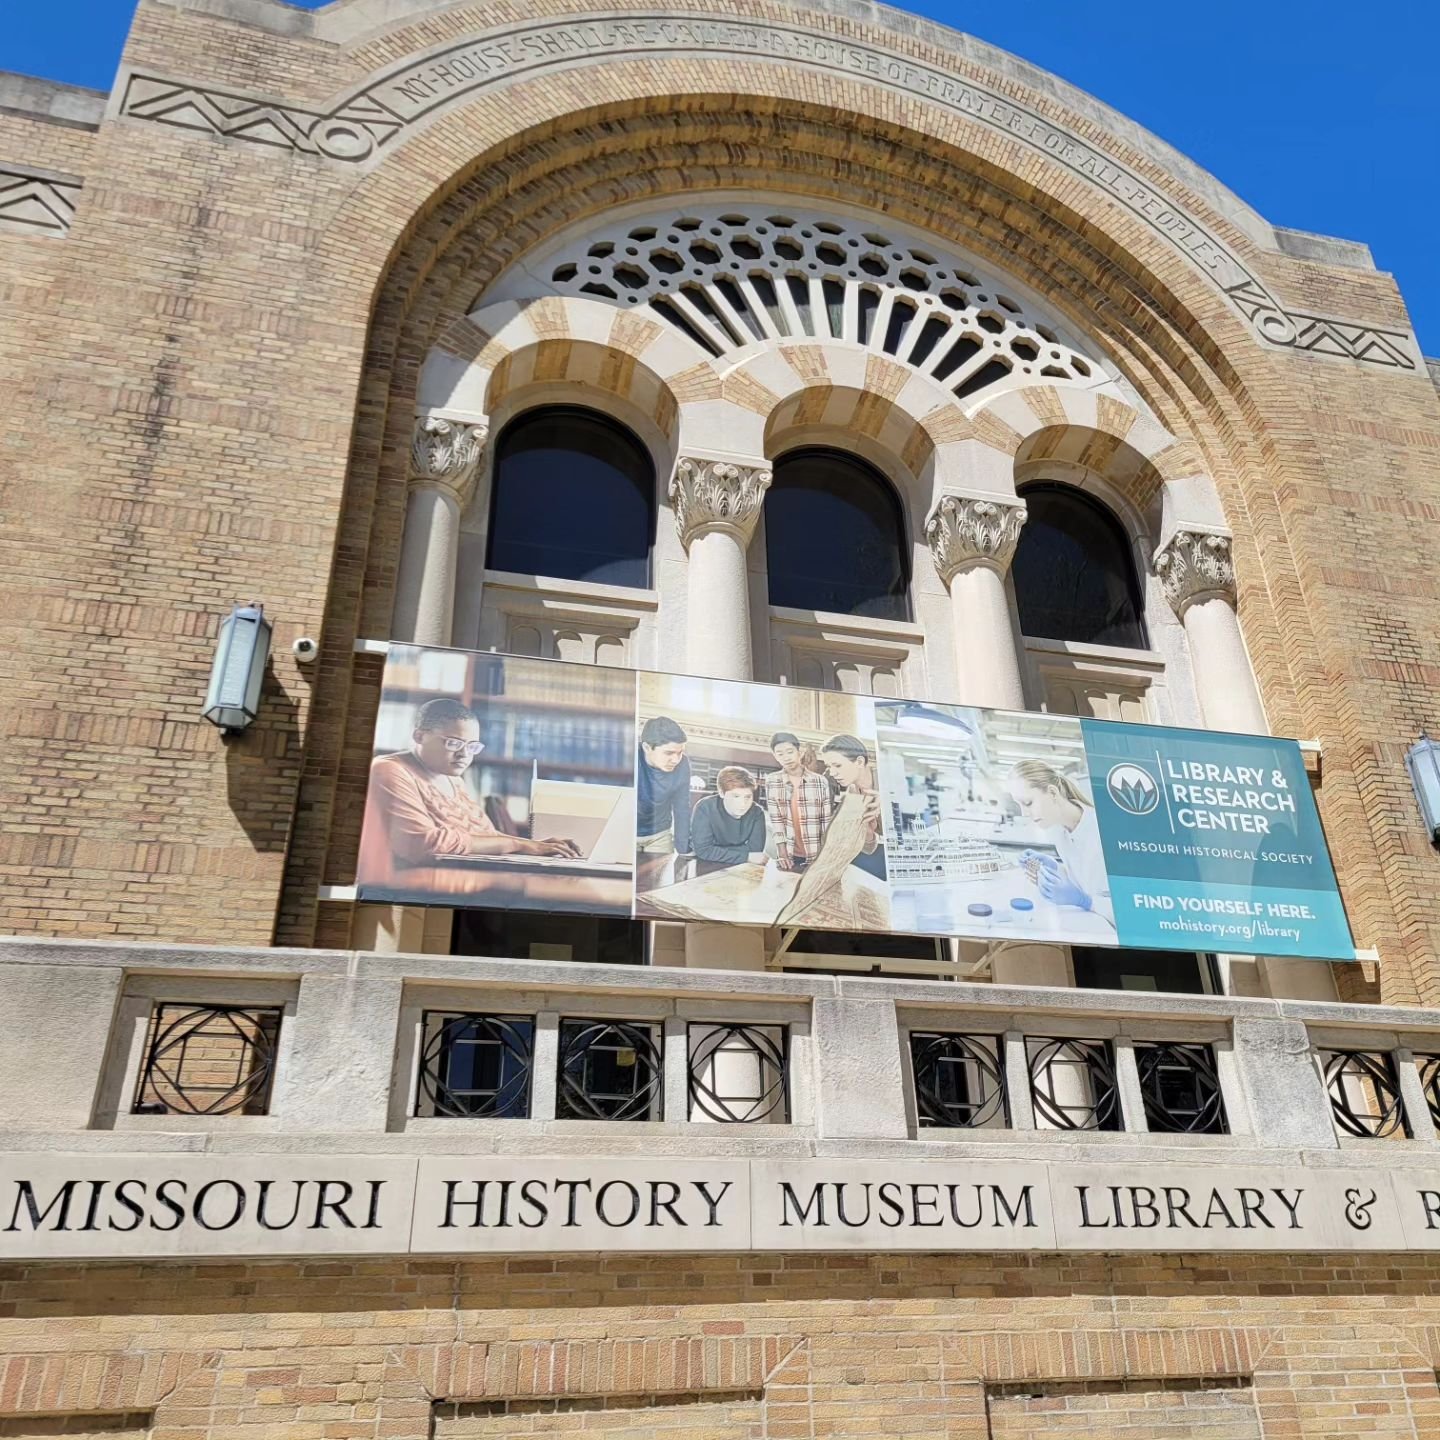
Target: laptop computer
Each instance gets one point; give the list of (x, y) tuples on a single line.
[(600, 819)]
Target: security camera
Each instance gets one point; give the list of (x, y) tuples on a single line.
[(305, 649)]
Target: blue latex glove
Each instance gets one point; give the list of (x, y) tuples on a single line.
[(1057, 886)]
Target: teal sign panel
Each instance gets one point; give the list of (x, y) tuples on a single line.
[(1212, 842)]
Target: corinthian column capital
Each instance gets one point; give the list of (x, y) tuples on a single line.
[(445, 455), (966, 530), (1195, 565), (717, 495)]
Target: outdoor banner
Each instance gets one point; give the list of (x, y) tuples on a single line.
[(506, 782)]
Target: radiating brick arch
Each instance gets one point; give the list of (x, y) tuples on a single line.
[(1124, 1351), (169, 1383)]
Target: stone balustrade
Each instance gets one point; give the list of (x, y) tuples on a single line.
[(159, 1101), (350, 1033)]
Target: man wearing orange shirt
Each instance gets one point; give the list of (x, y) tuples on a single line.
[(419, 810)]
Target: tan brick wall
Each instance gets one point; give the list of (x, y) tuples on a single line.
[(622, 1417), (731, 1346), (1150, 1409), (209, 386), (134, 1426)]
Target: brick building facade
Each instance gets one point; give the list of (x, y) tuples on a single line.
[(256, 303)]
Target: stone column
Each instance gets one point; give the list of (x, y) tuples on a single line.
[(1198, 576), (444, 457), (973, 539), (716, 504)]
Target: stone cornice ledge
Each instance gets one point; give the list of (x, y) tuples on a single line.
[(258, 963), (51, 101)]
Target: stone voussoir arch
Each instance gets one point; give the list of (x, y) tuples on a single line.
[(483, 127), (1104, 435), (736, 405), (815, 387), (483, 362)]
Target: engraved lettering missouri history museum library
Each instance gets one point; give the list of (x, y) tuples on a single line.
[(103, 1207)]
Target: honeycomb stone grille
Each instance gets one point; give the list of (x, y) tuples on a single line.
[(735, 278)]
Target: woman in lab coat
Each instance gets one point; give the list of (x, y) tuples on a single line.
[(1062, 808), (852, 768)]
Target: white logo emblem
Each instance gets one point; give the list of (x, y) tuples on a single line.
[(1133, 788)]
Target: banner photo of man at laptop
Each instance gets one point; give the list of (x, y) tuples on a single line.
[(501, 782)]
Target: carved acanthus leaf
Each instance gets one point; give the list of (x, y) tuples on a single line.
[(966, 530), (1195, 565), (717, 495), (446, 453)]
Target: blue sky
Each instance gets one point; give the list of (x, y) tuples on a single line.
[(1318, 123)]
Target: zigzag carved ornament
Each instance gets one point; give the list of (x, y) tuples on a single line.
[(36, 204), (362, 125)]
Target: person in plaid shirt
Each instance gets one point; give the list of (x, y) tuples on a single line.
[(800, 804)]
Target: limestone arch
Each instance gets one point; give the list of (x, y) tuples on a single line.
[(1155, 480), (482, 362), (418, 265), (865, 420), (454, 223)]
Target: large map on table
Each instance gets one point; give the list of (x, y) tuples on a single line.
[(507, 782)]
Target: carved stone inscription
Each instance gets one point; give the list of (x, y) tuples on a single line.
[(104, 1206), (114, 1206), (419, 88), (359, 126)]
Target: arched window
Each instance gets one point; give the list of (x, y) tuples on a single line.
[(573, 497), (835, 537), (1074, 578)]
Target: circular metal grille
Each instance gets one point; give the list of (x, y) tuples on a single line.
[(959, 1079), (609, 1070)]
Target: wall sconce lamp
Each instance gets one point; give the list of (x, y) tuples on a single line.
[(233, 697), (1422, 760)]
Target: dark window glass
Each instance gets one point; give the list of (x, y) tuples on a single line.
[(834, 537), (1174, 971), (516, 935), (574, 497), (854, 942), (609, 1070), (471, 1062), (886, 954), (1074, 579)]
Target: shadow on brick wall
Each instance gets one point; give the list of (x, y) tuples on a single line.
[(262, 768)]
